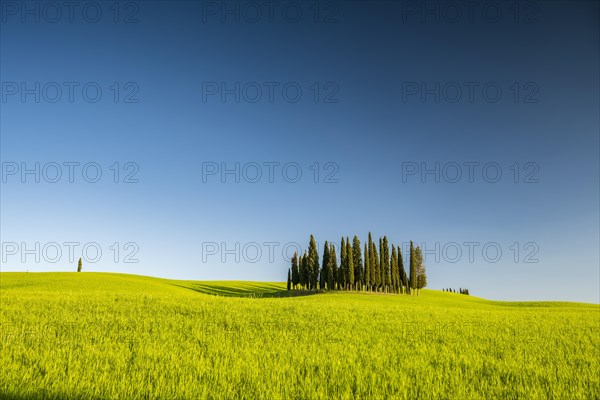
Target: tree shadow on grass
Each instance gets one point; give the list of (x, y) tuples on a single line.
[(44, 395), (248, 290)]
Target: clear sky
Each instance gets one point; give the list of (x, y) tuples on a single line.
[(361, 97)]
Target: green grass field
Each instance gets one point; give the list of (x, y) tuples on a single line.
[(104, 336)]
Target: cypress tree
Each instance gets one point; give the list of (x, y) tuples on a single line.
[(340, 277), (295, 270), (79, 265), (331, 283), (343, 266), (358, 267), (289, 281), (399, 259), (304, 273), (421, 273), (413, 268), (381, 275), (367, 278), (349, 265), (313, 263), (324, 277), (376, 278), (403, 277), (301, 271), (370, 257), (385, 265), (394, 267)]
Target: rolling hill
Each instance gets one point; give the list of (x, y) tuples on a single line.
[(103, 335)]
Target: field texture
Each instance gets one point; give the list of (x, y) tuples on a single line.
[(104, 336)]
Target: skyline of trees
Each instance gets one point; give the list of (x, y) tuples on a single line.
[(370, 268), (460, 291)]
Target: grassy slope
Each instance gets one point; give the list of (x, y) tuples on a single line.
[(96, 335)]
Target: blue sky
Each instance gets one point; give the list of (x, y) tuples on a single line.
[(367, 91)]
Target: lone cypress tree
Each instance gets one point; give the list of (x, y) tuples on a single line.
[(367, 278), (413, 268), (333, 270), (295, 271), (289, 281), (403, 277), (358, 267), (79, 265), (349, 265), (324, 277)]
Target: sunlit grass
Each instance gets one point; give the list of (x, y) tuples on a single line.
[(97, 336)]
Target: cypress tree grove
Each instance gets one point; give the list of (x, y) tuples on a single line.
[(349, 265), (358, 267), (367, 277), (324, 277), (295, 271), (381, 271), (413, 268), (331, 283), (313, 263)]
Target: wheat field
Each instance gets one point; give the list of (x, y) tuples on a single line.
[(116, 336)]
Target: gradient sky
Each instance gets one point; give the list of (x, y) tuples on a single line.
[(367, 59)]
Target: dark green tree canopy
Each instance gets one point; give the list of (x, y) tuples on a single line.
[(374, 268)]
